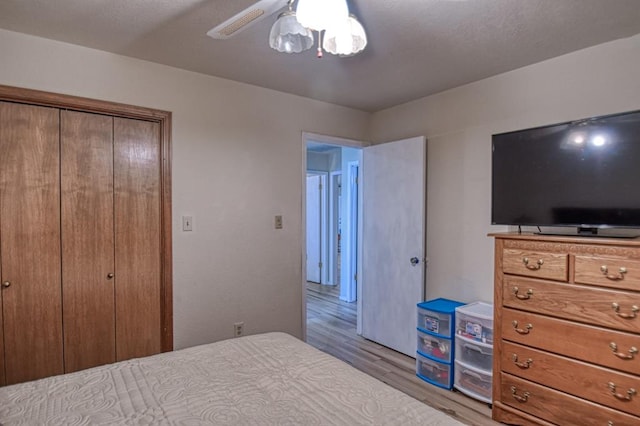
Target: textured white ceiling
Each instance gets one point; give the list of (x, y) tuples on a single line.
[(416, 47)]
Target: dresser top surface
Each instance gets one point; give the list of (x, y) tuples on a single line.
[(592, 240)]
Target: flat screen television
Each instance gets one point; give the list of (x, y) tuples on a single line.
[(583, 174)]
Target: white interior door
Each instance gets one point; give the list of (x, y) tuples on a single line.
[(394, 194), (314, 228)]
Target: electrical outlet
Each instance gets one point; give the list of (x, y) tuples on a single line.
[(238, 329)]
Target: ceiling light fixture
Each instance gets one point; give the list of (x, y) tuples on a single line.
[(288, 35), (292, 32)]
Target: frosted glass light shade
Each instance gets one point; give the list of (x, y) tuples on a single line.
[(347, 39), (321, 15), (287, 35)]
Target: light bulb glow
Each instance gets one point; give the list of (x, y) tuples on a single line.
[(321, 15), (347, 39), (598, 140)]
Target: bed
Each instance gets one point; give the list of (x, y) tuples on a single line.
[(265, 379)]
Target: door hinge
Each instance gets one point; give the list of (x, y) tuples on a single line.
[(355, 277), (320, 265)]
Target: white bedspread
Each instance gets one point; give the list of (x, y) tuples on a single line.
[(267, 379)]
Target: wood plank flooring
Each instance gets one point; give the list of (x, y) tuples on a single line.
[(331, 327)]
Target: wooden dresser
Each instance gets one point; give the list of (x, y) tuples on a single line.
[(567, 330)]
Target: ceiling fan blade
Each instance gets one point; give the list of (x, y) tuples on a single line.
[(246, 18)]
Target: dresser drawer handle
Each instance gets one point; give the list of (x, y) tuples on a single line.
[(525, 296), (630, 393), (632, 352), (524, 365), (633, 314), (526, 329), (533, 267), (520, 398), (613, 277)]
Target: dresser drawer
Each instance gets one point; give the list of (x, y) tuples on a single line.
[(607, 271), (574, 377), (540, 264), (615, 349), (608, 308), (558, 407)]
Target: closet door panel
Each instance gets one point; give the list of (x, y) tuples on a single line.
[(2, 378), (30, 241), (87, 240), (138, 237)]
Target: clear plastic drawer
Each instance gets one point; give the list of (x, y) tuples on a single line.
[(434, 372), (475, 354), (473, 382), (434, 347)]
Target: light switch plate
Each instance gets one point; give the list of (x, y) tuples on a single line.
[(278, 222), (187, 223)]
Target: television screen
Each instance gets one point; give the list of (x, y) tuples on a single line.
[(584, 173)]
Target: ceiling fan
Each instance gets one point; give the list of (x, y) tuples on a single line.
[(246, 18), (293, 30)]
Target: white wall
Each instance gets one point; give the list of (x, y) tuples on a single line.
[(459, 123), (237, 162), (318, 161)]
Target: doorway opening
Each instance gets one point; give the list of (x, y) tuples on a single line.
[(383, 203), (332, 211)]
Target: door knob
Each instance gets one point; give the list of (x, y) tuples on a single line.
[(110, 275), (6, 284), (414, 261)]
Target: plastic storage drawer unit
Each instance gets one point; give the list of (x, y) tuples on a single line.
[(474, 350), (435, 354), (434, 347)]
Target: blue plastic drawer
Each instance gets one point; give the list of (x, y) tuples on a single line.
[(436, 316), (434, 372), (438, 348)]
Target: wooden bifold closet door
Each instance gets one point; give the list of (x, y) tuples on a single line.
[(30, 242), (84, 237), (110, 239), (88, 272), (137, 238)]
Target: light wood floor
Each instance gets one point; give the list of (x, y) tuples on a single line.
[(331, 327)]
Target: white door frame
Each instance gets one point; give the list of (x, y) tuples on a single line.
[(334, 215), (313, 271), (327, 140), (324, 224), (348, 281)]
